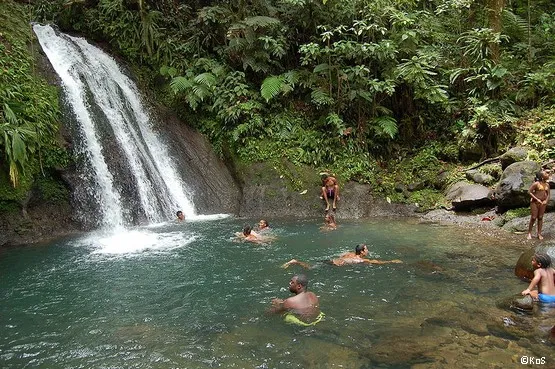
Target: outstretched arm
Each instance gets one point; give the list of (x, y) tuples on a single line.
[(296, 262), (374, 261), (533, 283)]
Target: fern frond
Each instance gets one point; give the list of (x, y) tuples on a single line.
[(515, 22), (271, 87), (207, 79), (387, 125), (291, 77), (180, 84), (261, 21)]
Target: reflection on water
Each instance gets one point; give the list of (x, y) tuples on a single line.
[(185, 295)]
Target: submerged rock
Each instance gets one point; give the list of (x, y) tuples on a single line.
[(523, 267)]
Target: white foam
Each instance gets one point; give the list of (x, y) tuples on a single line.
[(137, 241)]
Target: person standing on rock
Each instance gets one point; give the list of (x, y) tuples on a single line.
[(539, 197)]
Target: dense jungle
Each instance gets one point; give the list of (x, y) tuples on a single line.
[(377, 92)]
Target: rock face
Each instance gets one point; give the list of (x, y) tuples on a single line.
[(512, 190), (214, 188), (267, 193), (523, 268), (465, 195)]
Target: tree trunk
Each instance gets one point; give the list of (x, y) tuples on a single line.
[(495, 9)]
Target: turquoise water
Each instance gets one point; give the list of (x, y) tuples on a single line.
[(190, 296)]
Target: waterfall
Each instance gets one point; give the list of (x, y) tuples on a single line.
[(129, 176)]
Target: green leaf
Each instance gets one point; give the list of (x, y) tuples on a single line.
[(321, 68)]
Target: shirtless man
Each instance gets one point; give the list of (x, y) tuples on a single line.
[(357, 257), (180, 216), (543, 278), (330, 190), (539, 197), (304, 305)]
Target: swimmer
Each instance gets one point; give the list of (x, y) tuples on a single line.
[(348, 258), (248, 234), (329, 223), (303, 308), (543, 278), (263, 226), (180, 216)]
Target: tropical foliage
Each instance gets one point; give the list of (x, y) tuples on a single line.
[(350, 85), (28, 105)]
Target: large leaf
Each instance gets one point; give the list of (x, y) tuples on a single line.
[(321, 68), (18, 153)]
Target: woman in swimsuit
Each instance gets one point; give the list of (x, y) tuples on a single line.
[(539, 196)]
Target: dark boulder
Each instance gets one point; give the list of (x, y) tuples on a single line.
[(512, 189)]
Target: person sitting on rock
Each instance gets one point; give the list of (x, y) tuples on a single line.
[(330, 190), (543, 278)]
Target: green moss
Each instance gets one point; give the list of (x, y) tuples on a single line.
[(52, 190), (516, 213)]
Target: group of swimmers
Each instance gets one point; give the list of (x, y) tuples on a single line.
[(303, 307)]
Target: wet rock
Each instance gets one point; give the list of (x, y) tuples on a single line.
[(523, 267), (521, 303)]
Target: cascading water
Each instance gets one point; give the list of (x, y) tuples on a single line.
[(113, 122)]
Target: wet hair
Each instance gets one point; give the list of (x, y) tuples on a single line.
[(329, 217), (543, 259), (539, 176), (179, 212), (266, 224), (359, 248), (247, 230), (301, 279)]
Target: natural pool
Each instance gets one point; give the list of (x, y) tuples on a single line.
[(188, 296)]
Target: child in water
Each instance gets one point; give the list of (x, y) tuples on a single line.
[(543, 278)]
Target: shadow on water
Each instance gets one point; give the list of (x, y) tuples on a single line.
[(189, 295)]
